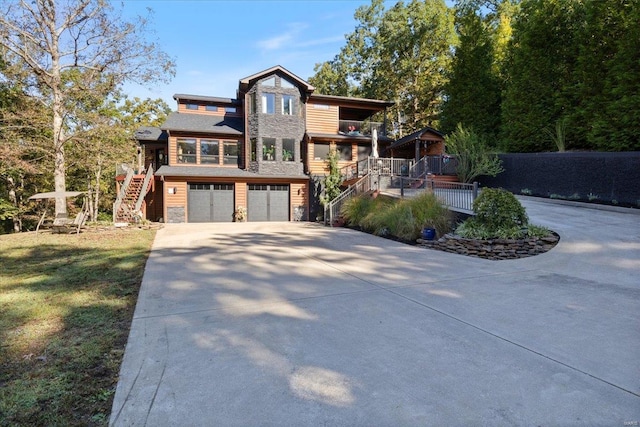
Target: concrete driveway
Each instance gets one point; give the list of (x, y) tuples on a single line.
[(295, 324)]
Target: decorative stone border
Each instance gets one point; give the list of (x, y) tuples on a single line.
[(493, 249)]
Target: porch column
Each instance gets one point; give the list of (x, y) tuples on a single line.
[(417, 149)]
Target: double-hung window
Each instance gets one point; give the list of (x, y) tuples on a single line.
[(268, 103)]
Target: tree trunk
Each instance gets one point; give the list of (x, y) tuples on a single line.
[(13, 198), (96, 200)]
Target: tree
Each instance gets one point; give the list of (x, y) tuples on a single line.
[(400, 54), (24, 166), (104, 138), (540, 69), (415, 44), (66, 50), (331, 182), (473, 156), (473, 90)]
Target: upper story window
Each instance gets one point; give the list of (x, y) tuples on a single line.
[(191, 106), (321, 106), (286, 84), (186, 150), (211, 107), (209, 151), (268, 103), (288, 105), (230, 109), (271, 82)]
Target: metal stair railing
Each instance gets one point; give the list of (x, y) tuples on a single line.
[(332, 210)]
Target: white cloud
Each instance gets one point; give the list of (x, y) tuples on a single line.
[(284, 39)]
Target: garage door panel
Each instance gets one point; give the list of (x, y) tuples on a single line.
[(279, 203), (268, 202), (223, 205), (257, 205), (199, 203), (211, 202)]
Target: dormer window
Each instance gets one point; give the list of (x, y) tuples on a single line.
[(211, 108), (191, 106)]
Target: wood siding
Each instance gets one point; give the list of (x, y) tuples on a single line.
[(300, 197), (322, 120), (178, 199), (241, 194), (202, 109), (319, 167), (173, 151)]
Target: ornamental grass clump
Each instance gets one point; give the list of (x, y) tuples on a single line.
[(499, 214), (403, 219)]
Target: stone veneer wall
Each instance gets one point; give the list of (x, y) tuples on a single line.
[(277, 126)]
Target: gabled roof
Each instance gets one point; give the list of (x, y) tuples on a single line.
[(417, 135), (209, 99), (247, 82), (203, 123), (150, 133)]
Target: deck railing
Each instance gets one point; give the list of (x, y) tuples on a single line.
[(377, 165), (438, 165), (458, 196), (359, 128)]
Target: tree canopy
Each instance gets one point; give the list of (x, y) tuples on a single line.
[(514, 71), (70, 57)]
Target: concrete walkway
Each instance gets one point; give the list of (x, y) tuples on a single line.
[(295, 324)]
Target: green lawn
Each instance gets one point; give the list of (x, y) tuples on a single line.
[(66, 303)]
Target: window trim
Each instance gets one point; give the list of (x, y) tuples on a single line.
[(288, 100), (265, 97), (208, 141)]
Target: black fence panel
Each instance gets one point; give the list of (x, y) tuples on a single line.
[(610, 178)]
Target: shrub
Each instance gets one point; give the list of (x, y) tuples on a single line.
[(499, 215), (472, 153), (497, 208)]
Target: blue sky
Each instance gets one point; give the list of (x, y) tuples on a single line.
[(215, 43)]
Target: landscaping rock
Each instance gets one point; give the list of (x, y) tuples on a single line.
[(493, 249)]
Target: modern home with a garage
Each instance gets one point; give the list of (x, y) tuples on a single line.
[(260, 156)]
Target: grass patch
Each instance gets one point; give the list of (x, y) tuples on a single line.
[(67, 302)]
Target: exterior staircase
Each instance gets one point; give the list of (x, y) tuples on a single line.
[(128, 205)]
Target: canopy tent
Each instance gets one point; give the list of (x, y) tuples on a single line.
[(56, 195), (62, 224)]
